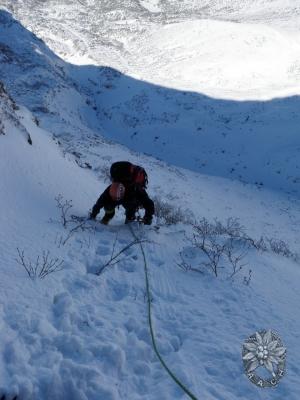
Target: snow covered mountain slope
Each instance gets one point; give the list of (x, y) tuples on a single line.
[(254, 141), (102, 31), (76, 335)]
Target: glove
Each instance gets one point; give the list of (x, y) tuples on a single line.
[(147, 220)]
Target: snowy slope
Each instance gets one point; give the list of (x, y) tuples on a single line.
[(181, 103), (76, 335)]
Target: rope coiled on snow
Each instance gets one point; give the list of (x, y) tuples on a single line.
[(171, 374)]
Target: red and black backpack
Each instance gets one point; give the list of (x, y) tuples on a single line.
[(128, 174)]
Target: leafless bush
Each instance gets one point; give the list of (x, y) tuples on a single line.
[(212, 250), (220, 245), (104, 171), (71, 223), (185, 266), (227, 244), (280, 247), (233, 229), (64, 207), (230, 227), (169, 214), (78, 227), (247, 279), (235, 256), (41, 267)]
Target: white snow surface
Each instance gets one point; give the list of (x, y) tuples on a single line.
[(221, 59), (75, 335), (78, 336), (211, 88)]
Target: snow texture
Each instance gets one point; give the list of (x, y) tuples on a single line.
[(223, 147)]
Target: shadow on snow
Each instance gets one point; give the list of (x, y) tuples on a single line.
[(252, 141)]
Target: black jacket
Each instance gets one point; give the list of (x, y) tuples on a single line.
[(135, 197)]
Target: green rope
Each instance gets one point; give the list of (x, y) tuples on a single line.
[(179, 383)]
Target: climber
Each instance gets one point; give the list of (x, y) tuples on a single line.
[(128, 188)]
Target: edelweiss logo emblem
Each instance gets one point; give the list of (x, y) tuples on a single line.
[(264, 349)]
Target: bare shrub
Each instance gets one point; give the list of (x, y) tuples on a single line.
[(213, 251), (220, 244), (235, 255), (71, 223), (64, 207), (247, 279), (104, 171), (234, 230), (169, 214), (281, 248), (41, 267), (227, 244), (185, 266)]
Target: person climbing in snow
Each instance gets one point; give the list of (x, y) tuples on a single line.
[(128, 188)]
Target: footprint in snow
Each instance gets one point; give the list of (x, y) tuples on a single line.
[(62, 303), (141, 368), (129, 265), (118, 290), (132, 325), (63, 310), (176, 342)]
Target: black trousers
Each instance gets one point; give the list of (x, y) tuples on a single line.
[(130, 209)]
